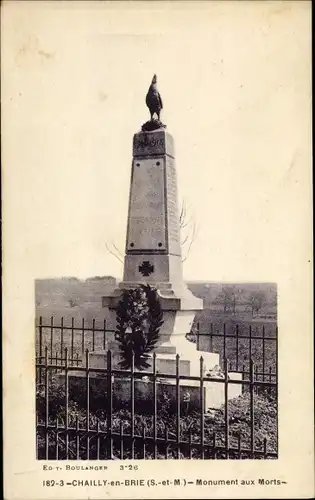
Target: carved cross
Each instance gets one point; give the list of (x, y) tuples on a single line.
[(146, 268)]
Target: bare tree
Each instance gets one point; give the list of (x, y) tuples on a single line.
[(228, 298), (73, 302), (188, 230), (113, 250), (257, 301)]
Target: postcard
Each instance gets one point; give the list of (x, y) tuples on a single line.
[(157, 250)]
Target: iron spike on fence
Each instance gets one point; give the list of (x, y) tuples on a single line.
[(132, 403), (109, 404), (226, 407), (72, 337), (252, 413), (121, 435), (202, 408), (154, 406), (177, 406), (77, 428)]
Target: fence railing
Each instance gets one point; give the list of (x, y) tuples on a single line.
[(238, 346), (72, 424), (76, 337)]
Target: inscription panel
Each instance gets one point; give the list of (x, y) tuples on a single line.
[(147, 228), (172, 208), (153, 143)]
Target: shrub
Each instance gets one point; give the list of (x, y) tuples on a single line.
[(265, 422)]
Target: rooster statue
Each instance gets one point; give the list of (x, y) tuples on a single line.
[(153, 99)]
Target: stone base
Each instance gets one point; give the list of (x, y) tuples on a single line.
[(179, 308), (213, 392), (172, 297), (165, 362)]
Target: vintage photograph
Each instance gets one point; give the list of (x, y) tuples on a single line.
[(150, 365), (157, 249)]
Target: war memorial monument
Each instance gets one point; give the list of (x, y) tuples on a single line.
[(153, 256)]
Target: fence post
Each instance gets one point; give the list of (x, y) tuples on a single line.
[(93, 334), (121, 436), (189, 443), (72, 338), (51, 338), (110, 404), (237, 347), (224, 341), (277, 346), (211, 337), (132, 403), (245, 373), (154, 406), (226, 410), (61, 337), (87, 386), (277, 340), (98, 441), (263, 352), (214, 445), (83, 328), (57, 438), (265, 448), (239, 447), (250, 345), (46, 404), (166, 441), (37, 439), (40, 328), (177, 407), (104, 334), (198, 334), (67, 402), (77, 432), (56, 362), (202, 409), (143, 440), (252, 412)]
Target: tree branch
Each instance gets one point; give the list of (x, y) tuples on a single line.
[(117, 250), (182, 217), (192, 239), (113, 253)]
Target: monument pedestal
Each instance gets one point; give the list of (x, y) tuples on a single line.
[(178, 316)]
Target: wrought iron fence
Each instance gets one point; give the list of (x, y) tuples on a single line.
[(239, 348), (80, 417), (76, 337)]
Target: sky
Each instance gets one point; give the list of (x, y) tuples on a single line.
[(236, 98)]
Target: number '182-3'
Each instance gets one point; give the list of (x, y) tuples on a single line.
[(52, 482)]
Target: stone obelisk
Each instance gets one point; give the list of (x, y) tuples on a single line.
[(153, 249)]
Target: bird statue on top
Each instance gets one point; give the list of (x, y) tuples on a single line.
[(155, 104)]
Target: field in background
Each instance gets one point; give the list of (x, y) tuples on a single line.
[(223, 303), (77, 300)]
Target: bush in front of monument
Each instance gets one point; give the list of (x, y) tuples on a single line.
[(139, 318)]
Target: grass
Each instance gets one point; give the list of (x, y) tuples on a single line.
[(239, 434)]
